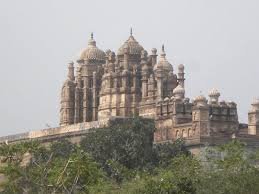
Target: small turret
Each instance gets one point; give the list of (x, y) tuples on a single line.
[(154, 56), (181, 73), (67, 109), (200, 101), (71, 75), (214, 96), (111, 60), (145, 73), (253, 118), (161, 69), (126, 57), (179, 92), (200, 115)]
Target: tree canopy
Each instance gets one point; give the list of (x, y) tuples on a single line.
[(124, 159)]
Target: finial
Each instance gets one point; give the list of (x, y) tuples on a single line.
[(70, 63), (92, 42), (131, 31), (163, 47), (163, 52)]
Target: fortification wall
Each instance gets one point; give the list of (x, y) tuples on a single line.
[(57, 132)]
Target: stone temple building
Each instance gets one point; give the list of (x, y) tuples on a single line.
[(134, 82), (106, 86)]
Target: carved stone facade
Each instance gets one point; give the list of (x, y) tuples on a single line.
[(127, 84), (135, 83)]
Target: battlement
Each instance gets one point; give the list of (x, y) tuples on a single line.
[(223, 111), (178, 109)]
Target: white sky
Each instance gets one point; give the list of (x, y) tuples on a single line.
[(217, 40)]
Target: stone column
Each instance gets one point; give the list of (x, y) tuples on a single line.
[(78, 98), (144, 85), (144, 74), (67, 109), (94, 101), (71, 71), (154, 56), (126, 57), (86, 103), (160, 85), (181, 73)]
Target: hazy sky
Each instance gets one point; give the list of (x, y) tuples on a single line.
[(218, 40)]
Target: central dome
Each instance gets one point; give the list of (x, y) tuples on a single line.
[(92, 52), (133, 46)]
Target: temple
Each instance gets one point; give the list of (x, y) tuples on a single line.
[(133, 82)]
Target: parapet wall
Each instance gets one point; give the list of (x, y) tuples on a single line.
[(58, 131)]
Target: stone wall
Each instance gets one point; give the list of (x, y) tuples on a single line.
[(57, 132)]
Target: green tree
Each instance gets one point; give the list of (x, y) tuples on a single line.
[(127, 147), (48, 170), (129, 143), (180, 177), (232, 171)]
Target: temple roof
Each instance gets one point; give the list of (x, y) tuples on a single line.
[(163, 64), (92, 52), (134, 48)]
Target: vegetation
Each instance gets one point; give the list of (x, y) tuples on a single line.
[(122, 159)]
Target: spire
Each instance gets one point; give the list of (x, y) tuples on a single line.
[(92, 42), (163, 51), (131, 31), (70, 74)]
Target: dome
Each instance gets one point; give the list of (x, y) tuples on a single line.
[(166, 99), (214, 93), (255, 104), (163, 64), (153, 51), (92, 52), (68, 83), (134, 48), (181, 67), (231, 104), (255, 101), (200, 98), (200, 101), (179, 90)]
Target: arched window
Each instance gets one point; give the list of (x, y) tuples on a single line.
[(177, 135)]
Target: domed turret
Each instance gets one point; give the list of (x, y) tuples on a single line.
[(163, 64), (253, 118), (255, 104), (214, 96), (200, 100), (181, 73), (179, 92), (133, 47), (68, 98), (92, 52), (181, 68)]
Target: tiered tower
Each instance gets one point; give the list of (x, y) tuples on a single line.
[(128, 84)]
